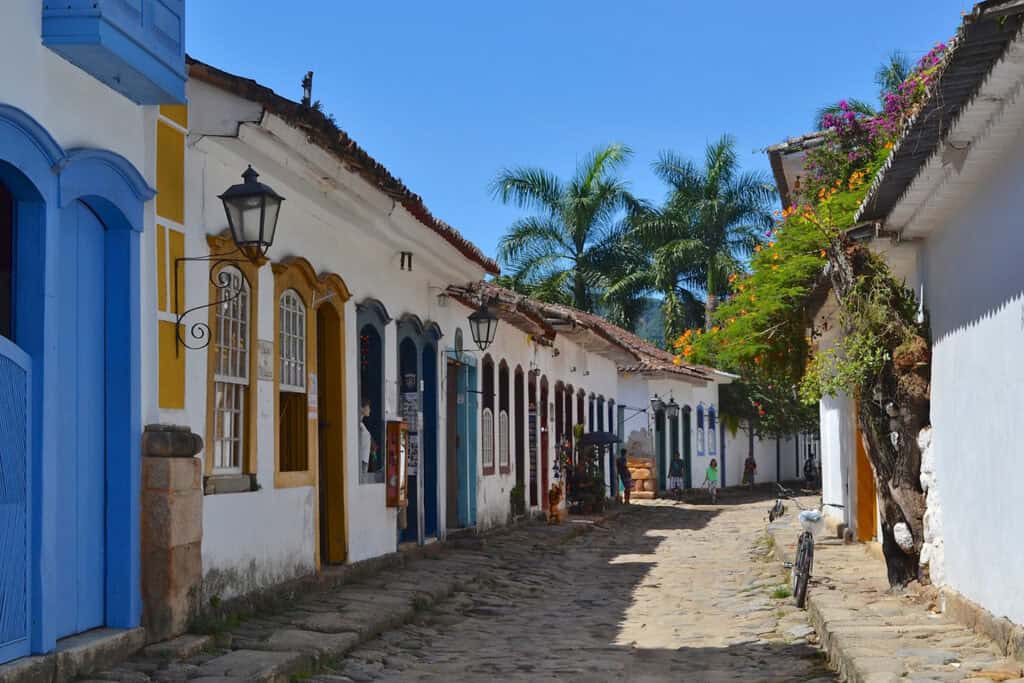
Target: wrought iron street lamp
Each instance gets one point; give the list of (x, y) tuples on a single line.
[(672, 409), (252, 209), (657, 404), (483, 325)]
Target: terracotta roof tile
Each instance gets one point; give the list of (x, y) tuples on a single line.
[(322, 132), (647, 358)]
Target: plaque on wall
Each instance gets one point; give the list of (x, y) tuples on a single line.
[(265, 360), (396, 465)]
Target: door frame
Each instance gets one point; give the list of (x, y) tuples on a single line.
[(44, 179)]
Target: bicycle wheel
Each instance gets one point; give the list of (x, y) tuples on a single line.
[(802, 568)]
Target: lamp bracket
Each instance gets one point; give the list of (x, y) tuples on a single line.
[(200, 331)]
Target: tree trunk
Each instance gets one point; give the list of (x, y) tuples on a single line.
[(894, 407), (579, 292)]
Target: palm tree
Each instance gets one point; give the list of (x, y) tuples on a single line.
[(891, 73), (714, 216), (560, 251)]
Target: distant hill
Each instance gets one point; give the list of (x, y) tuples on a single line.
[(651, 325)]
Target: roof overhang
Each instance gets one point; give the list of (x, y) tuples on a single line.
[(975, 107)]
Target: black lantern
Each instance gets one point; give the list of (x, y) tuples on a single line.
[(252, 209), (672, 409), (483, 325), (657, 404)]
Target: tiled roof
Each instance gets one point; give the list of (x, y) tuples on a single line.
[(981, 40), (322, 132), (635, 355)]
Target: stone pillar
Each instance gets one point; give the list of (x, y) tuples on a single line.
[(172, 529)]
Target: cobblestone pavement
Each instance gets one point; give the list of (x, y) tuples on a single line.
[(666, 592)]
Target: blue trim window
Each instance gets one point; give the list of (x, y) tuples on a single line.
[(700, 429), (712, 440)]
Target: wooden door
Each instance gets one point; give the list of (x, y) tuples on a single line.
[(81, 428), (330, 346), (451, 405), (15, 386), (867, 501)]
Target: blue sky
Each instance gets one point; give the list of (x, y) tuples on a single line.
[(446, 93)]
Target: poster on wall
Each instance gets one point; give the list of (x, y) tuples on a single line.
[(396, 467), (410, 410)]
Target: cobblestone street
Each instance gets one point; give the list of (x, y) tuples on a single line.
[(667, 591)]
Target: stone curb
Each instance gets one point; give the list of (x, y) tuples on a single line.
[(838, 658), (843, 634)]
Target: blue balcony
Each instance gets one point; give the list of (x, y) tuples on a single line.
[(137, 47)]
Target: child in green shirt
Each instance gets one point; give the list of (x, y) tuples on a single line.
[(711, 480)]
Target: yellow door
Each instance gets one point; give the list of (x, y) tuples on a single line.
[(867, 501)]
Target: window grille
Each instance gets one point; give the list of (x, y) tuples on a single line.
[(292, 343), (231, 374)]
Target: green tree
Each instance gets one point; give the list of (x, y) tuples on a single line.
[(714, 216), (561, 252)]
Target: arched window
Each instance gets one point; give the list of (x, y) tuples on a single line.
[(6, 263), (371, 404), (292, 331), (293, 412), (700, 429), (504, 460), (487, 416), (231, 375), (712, 438)]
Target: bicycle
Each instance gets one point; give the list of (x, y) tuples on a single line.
[(804, 561)]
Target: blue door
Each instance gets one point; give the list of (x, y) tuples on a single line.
[(14, 486), (467, 446), (81, 432)]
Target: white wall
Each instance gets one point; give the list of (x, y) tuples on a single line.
[(974, 290), (341, 226), (838, 446)]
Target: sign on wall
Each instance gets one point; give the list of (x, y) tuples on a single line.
[(533, 447), (265, 360), (396, 466), (410, 408)]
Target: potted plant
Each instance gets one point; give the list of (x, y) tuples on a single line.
[(517, 498)]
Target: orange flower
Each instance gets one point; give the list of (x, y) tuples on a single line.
[(676, 361), (771, 245), (732, 278), (775, 267), (757, 248), (753, 298), (823, 254), (715, 328), (757, 359)]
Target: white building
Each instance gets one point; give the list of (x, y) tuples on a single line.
[(951, 194)]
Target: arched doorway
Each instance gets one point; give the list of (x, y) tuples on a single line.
[(461, 406), (518, 399), (70, 388), (330, 331), (545, 464), (429, 439), (417, 394), (532, 437)]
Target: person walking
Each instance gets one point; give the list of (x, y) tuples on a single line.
[(711, 480), (676, 475), (810, 472), (749, 471), (624, 476)]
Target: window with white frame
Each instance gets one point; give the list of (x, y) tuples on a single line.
[(487, 437), (292, 340), (231, 373), (503, 448)]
